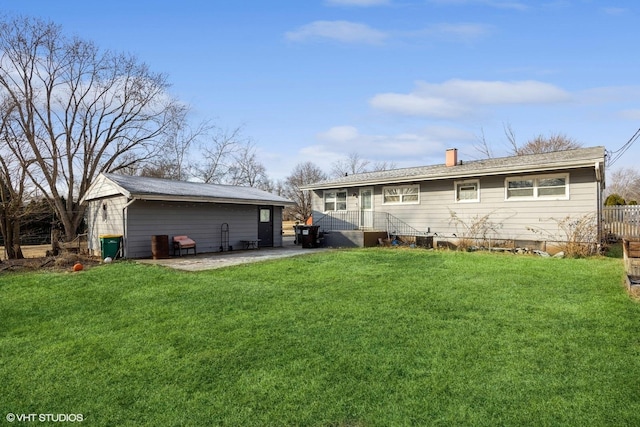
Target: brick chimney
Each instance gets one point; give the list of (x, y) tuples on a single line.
[(451, 158)]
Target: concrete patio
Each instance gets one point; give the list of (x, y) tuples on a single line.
[(209, 261)]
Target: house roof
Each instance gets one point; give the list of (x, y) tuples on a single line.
[(144, 188), (558, 160)]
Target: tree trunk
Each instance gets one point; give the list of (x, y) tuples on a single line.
[(55, 241), (11, 236), (17, 249)]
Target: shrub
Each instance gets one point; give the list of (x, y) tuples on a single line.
[(477, 230), (580, 235), (614, 200)]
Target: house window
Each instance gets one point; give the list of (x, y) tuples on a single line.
[(467, 191), (335, 201), (538, 187), (519, 188), (401, 195), (556, 187)]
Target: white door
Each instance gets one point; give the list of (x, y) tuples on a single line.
[(366, 208)]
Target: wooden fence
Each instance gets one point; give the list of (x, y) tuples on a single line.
[(622, 221)]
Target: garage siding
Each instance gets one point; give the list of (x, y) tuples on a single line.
[(277, 226), (200, 221)]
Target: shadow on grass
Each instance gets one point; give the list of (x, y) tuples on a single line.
[(614, 250)]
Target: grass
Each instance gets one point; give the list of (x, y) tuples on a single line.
[(348, 338)]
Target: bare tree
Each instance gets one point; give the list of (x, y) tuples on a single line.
[(538, 145), (80, 110), (231, 158), (217, 154), (546, 144), (353, 164), (246, 169), (511, 137), (483, 146), (12, 186), (177, 144), (13, 178), (383, 166), (626, 183), (302, 174), (274, 187)]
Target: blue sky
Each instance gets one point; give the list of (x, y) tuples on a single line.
[(393, 80)]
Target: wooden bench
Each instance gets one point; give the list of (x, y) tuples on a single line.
[(183, 242), (250, 244)]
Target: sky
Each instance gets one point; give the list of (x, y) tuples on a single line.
[(396, 81)]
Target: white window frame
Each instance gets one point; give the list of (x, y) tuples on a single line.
[(536, 187), (456, 190), (399, 189), (334, 200)]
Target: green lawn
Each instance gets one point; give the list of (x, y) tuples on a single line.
[(367, 337)]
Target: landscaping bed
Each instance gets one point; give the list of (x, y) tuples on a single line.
[(37, 260)]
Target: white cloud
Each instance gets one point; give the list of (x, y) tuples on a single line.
[(497, 92), (413, 104), (358, 33), (342, 31), (409, 147), (357, 2), (456, 98), (340, 133)]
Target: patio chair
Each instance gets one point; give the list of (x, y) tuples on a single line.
[(183, 242)]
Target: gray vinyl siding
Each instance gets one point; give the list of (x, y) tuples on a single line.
[(120, 205), (512, 219), (200, 221), (277, 226), (414, 214)]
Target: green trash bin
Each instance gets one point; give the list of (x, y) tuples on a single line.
[(110, 245)]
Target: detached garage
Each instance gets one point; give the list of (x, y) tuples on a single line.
[(217, 217)]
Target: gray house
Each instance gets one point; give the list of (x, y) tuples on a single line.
[(215, 216), (519, 198)]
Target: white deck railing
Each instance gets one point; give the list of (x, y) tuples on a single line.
[(623, 221), (365, 220)]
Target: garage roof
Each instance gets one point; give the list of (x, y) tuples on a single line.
[(144, 188)]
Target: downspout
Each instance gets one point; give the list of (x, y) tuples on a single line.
[(599, 183), (124, 228)]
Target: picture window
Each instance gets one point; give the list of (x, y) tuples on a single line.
[(538, 187)]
